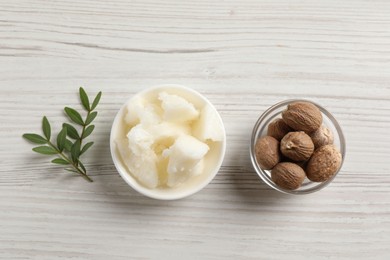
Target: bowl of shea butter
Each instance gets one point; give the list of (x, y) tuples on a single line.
[(168, 142)]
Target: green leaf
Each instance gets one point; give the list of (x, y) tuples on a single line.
[(71, 170), (67, 149), (86, 147), (84, 99), (34, 138), (74, 115), (61, 139), (68, 145), (60, 161), (45, 150), (46, 128), (88, 131), (90, 118), (82, 167), (75, 151), (71, 131), (96, 100)]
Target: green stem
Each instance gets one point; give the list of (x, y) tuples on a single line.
[(74, 165), (82, 131)]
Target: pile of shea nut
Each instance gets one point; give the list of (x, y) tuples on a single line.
[(298, 146)]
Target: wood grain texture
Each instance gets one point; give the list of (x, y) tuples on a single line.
[(242, 55)]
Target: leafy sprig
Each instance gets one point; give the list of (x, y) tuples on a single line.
[(69, 145)]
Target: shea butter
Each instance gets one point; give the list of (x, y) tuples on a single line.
[(167, 138)]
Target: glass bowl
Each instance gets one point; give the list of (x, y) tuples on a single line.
[(260, 129)]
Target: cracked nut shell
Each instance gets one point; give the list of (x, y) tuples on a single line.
[(297, 146), (303, 116), (278, 129), (324, 163), (288, 175), (267, 152)]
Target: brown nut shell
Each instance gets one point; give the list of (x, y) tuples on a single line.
[(267, 152), (324, 163), (297, 146), (278, 129), (322, 136), (303, 116), (288, 175)]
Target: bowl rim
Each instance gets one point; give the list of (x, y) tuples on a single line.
[(265, 177), (131, 180)]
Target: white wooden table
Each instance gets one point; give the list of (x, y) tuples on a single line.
[(242, 55)]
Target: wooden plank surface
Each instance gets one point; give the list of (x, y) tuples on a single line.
[(242, 55)]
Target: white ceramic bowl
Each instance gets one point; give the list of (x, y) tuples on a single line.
[(213, 159)]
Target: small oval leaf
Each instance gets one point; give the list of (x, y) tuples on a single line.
[(90, 118), (71, 170), (34, 138), (86, 147), (74, 115), (61, 138), (60, 161), (68, 145), (75, 151), (46, 128), (71, 131), (88, 131), (84, 99), (83, 167), (96, 100), (45, 150)]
